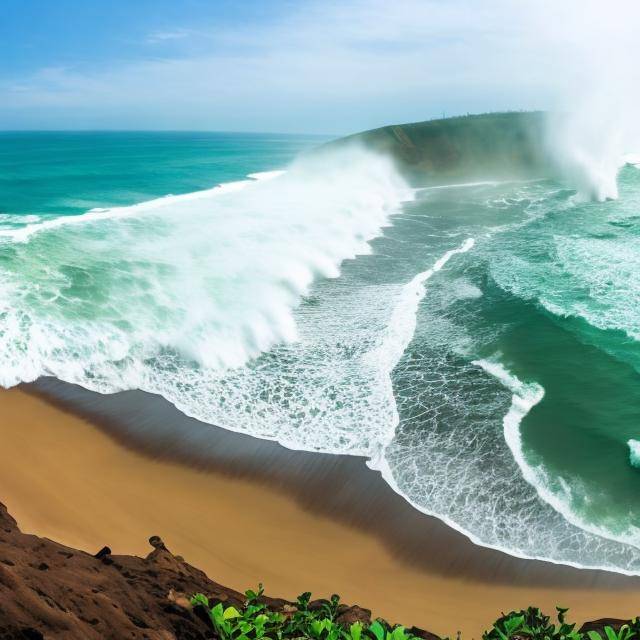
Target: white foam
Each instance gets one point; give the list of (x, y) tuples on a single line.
[(461, 185), (213, 275), (468, 494), (634, 452), (525, 397), (400, 330), (94, 215)]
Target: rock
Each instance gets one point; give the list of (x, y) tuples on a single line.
[(599, 625), (50, 591), (349, 615), (156, 543), (105, 551), (421, 633)]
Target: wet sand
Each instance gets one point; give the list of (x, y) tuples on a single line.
[(90, 470)]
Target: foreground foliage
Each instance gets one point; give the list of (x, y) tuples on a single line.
[(533, 624), (256, 621)]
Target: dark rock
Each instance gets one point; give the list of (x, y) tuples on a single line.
[(349, 615), (156, 542), (599, 625), (421, 633), (105, 551), (319, 603), (77, 598)]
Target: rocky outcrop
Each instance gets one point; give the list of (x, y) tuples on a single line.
[(50, 591)]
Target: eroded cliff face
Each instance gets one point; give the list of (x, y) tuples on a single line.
[(48, 590)]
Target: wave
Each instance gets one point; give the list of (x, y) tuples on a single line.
[(525, 397), (210, 278), (494, 495), (634, 452)]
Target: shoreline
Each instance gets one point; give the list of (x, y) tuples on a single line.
[(75, 466)]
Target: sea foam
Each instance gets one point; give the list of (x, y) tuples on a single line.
[(210, 277), (634, 452)]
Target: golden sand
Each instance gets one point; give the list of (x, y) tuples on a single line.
[(63, 478)]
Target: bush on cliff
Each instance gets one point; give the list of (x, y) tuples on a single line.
[(329, 620), (318, 620)]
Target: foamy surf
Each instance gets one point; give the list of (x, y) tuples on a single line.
[(634, 452), (223, 270), (34, 225)]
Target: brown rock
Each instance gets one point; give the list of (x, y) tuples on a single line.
[(600, 624), (421, 633), (348, 615), (53, 592)]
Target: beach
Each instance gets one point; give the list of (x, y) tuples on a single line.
[(80, 468)]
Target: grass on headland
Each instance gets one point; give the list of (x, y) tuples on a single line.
[(255, 621)]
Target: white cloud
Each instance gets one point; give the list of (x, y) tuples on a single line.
[(335, 67), (163, 36)]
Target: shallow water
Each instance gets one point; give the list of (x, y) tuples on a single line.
[(477, 342)]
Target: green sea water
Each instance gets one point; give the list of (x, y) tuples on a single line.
[(477, 343), (65, 173)]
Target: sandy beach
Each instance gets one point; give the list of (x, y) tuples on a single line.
[(90, 470)]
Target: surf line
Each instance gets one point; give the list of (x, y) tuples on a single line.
[(399, 333)]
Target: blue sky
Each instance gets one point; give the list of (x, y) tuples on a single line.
[(307, 66)]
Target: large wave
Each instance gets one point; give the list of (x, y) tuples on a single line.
[(207, 280)]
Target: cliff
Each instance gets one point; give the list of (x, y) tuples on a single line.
[(487, 146)]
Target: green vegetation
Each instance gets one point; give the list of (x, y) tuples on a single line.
[(256, 622), (326, 620), (533, 624)]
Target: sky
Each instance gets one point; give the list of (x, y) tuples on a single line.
[(304, 66)]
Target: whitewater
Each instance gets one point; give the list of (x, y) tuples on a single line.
[(333, 307)]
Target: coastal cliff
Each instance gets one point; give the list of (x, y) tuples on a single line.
[(475, 147)]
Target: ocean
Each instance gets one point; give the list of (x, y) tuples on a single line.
[(477, 343)]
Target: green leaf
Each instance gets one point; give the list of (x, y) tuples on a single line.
[(200, 599), (316, 627), (513, 624), (501, 634), (217, 612), (356, 630), (378, 630), (230, 613), (303, 600), (398, 633)]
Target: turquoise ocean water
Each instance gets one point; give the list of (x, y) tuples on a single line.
[(478, 344)]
